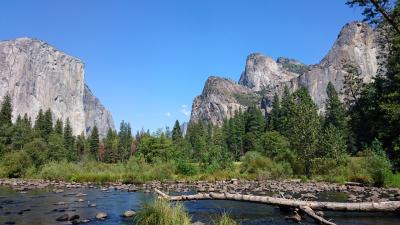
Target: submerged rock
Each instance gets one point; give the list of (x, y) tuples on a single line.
[(101, 216), (63, 218), (129, 213)]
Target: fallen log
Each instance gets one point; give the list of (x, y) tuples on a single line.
[(391, 206), (307, 207)]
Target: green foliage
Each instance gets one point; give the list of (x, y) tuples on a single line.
[(69, 142), (6, 111), (186, 168), (37, 151), (176, 132), (161, 212), (225, 220), (277, 147), (125, 141), (247, 99), (55, 148), (304, 128), (111, 144), (94, 142), (264, 168), (155, 148), (15, 164)]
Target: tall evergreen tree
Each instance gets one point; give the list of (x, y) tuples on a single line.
[(5, 123), (111, 147), (58, 127), (304, 128), (125, 141), (80, 144), (6, 111), (176, 132), (275, 114), (94, 142), (69, 141)]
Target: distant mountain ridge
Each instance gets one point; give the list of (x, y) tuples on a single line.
[(263, 76), (38, 76)]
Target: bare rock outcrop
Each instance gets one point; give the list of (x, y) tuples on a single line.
[(263, 77), (38, 76)]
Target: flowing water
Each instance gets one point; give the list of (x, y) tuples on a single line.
[(40, 207)]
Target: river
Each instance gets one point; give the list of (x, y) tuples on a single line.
[(40, 207)]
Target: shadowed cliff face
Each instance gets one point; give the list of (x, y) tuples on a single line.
[(263, 77), (38, 76)]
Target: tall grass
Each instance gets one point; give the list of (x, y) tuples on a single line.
[(225, 220), (134, 171), (161, 212)]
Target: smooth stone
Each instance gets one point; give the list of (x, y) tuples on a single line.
[(74, 217), (101, 216), (129, 213), (198, 223), (62, 218), (85, 221)]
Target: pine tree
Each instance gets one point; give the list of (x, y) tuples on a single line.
[(6, 112), (69, 141), (335, 113), (125, 141), (56, 150), (275, 114), (5, 122), (94, 142), (304, 128), (111, 147), (44, 124), (176, 132), (58, 127), (80, 145), (48, 124), (21, 133)]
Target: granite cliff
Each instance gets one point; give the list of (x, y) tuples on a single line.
[(38, 76), (263, 76)]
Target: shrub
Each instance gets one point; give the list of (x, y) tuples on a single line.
[(277, 146), (225, 220), (15, 164), (161, 212), (186, 168), (36, 150), (263, 167)]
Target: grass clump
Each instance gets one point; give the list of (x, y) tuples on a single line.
[(161, 212), (225, 220)]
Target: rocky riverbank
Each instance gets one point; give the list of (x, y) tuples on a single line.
[(286, 189)]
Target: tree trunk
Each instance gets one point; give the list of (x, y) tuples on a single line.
[(307, 207)]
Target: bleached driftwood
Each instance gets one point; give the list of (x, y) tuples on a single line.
[(307, 207)]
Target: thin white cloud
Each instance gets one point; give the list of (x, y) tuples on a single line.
[(168, 114), (184, 110)]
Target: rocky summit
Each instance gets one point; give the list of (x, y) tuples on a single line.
[(38, 76), (263, 77)]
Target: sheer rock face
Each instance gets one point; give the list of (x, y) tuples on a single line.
[(38, 76), (262, 71), (355, 45), (96, 114), (219, 100)]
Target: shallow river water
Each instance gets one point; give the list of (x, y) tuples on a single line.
[(40, 207)]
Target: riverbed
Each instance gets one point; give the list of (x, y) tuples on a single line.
[(44, 206)]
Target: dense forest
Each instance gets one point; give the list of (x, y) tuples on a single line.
[(356, 138)]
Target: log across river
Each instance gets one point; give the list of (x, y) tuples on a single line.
[(306, 207)]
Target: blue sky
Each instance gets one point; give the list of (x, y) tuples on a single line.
[(146, 60)]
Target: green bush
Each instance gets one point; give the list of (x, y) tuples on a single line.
[(277, 147), (186, 168), (162, 213), (225, 220), (15, 164), (263, 167)]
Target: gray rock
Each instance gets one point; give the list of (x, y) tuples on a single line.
[(129, 214), (263, 77), (62, 218), (38, 76), (101, 216)]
